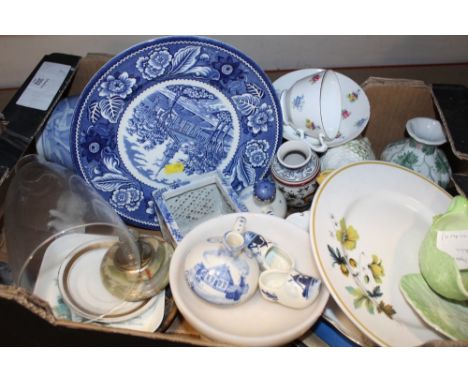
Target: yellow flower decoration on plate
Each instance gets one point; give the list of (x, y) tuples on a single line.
[(347, 236), (377, 269)]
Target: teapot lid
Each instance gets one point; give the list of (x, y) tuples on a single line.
[(265, 190)]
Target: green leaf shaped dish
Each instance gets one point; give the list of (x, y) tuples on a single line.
[(438, 268), (446, 316)]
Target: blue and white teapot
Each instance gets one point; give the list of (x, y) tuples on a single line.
[(222, 270)]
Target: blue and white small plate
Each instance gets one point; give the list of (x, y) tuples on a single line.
[(166, 110)]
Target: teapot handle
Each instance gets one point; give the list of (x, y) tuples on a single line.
[(239, 225)]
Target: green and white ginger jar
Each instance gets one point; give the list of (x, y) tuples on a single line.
[(420, 152)]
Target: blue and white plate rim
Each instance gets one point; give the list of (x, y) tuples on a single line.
[(146, 45)]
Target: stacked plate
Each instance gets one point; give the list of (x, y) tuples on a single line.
[(74, 291)]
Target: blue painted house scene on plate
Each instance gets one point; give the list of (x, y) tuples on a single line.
[(168, 109)]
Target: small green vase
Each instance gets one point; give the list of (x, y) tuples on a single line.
[(420, 152)]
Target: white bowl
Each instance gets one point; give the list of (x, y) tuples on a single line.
[(256, 322)]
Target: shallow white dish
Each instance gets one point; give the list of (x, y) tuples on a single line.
[(355, 107), (387, 210), (46, 287), (83, 290), (256, 322)]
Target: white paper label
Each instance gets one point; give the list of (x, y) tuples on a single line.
[(44, 86), (455, 244)]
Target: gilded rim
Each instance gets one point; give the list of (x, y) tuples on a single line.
[(315, 247), (69, 297)]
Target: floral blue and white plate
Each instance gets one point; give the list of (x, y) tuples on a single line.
[(166, 110)]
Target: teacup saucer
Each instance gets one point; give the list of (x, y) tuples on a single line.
[(355, 107), (47, 288)]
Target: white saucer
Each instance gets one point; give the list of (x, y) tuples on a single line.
[(83, 290), (46, 287), (355, 107)]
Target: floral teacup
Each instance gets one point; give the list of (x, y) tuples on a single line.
[(312, 106)]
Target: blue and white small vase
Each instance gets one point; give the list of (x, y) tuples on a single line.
[(295, 169), (222, 273), (54, 142)]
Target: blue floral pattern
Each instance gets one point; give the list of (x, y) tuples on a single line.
[(361, 122), (129, 198), (94, 143), (256, 153), (54, 142), (155, 64), (298, 102), (120, 86), (134, 129), (260, 118)]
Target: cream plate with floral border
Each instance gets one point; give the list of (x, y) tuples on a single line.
[(368, 220)]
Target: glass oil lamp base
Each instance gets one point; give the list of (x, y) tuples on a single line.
[(137, 280)]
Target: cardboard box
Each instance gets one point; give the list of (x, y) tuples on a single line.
[(393, 102)]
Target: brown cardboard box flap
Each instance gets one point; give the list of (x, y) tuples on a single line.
[(42, 309), (87, 67), (392, 103)]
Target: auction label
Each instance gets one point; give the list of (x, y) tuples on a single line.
[(44, 86), (455, 244)]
